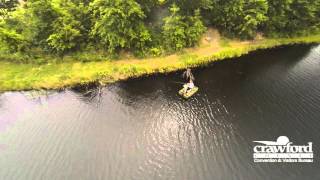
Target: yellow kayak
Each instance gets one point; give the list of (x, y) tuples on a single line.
[(189, 93)]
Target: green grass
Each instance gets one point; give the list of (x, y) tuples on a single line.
[(57, 75)]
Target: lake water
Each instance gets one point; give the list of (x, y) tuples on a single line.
[(142, 130)]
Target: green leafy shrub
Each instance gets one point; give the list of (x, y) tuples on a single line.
[(174, 30), (38, 28), (240, 18), (7, 6), (65, 36), (156, 51), (39, 16), (70, 29), (180, 31), (12, 42), (292, 17), (119, 24), (195, 29)]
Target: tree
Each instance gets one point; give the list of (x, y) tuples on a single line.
[(278, 16), (182, 31), (119, 24), (63, 26), (16, 32), (174, 30), (39, 17), (148, 5), (239, 18), (290, 17), (195, 29), (71, 28), (7, 6), (12, 41), (253, 16), (189, 6), (303, 15), (65, 36)]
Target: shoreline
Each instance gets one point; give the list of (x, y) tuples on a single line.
[(18, 77)]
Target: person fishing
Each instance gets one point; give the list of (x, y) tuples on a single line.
[(190, 78)]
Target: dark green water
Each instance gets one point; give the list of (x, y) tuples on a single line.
[(142, 130)]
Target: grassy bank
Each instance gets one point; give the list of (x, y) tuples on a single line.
[(15, 76)]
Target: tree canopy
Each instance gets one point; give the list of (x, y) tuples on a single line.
[(7, 6), (119, 24), (66, 26)]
